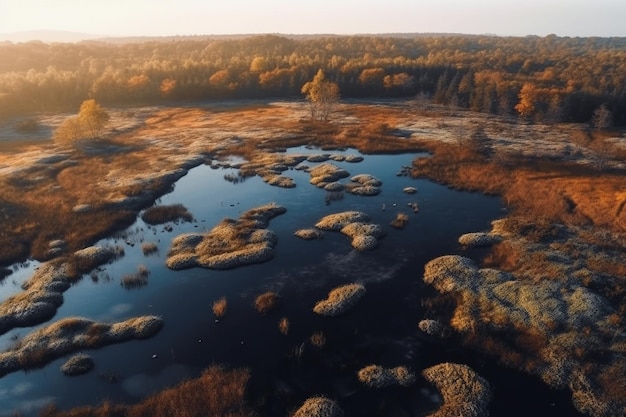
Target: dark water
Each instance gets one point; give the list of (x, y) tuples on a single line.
[(286, 369)]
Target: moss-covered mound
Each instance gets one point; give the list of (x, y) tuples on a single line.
[(43, 292), (77, 365), (364, 185), (337, 221), (479, 239), (375, 376), (230, 244), (326, 173), (71, 334), (309, 234), (340, 300), (550, 328), (364, 235), (319, 407), (464, 392)]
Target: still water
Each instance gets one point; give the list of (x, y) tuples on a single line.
[(286, 369)]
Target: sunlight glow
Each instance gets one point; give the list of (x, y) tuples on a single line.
[(194, 17)]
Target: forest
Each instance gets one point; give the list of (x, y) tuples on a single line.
[(547, 79)]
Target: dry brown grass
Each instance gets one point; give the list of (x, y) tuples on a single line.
[(219, 307), (218, 392), (283, 325), (265, 302), (400, 221), (148, 248), (318, 339), (137, 280), (545, 190), (124, 166), (163, 214)]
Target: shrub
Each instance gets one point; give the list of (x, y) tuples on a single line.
[(340, 300)]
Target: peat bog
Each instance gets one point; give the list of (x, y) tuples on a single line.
[(216, 173)]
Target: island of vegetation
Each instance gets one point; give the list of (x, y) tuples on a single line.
[(71, 334), (230, 244)]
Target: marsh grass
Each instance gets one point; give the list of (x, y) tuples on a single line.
[(400, 221), (137, 280), (124, 164), (266, 302), (163, 214), (550, 191), (218, 392), (318, 339), (219, 307), (149, 248), (283, 325)]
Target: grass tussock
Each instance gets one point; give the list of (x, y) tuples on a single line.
[(265, 302), (400, 221), (283, 325), (318, 339), (230, 244), (149, 248), (218, 392), (163, 214), (137, 280), (219, 307)]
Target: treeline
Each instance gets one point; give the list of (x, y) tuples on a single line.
[(544, 78)]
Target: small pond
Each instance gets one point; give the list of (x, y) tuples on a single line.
[(286, 369)]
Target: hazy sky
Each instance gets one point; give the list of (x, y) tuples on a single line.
[(195, 17)]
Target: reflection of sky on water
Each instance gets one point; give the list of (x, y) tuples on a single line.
[(301, 271)]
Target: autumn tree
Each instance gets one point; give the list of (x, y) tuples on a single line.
[(167, 87), (527, 100), (88, 124), (323, 95), (602, 118), (402, 81), (92, 118)]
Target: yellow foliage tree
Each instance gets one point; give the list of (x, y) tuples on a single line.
[(322, 95), (88, 124), (168, 86), (92, 118), (528, 96)]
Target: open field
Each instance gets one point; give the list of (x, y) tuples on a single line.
[(563, 235)]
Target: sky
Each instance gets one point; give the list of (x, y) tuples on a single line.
[(204, 17)]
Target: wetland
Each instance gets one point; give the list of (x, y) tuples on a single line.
[(242, 180)]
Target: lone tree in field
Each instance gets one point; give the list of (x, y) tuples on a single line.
[(88, 124), (322, 95), (602, 118)]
